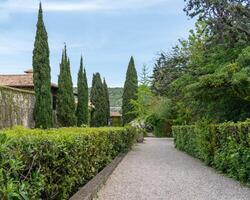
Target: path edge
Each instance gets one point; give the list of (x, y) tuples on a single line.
[(88, 191)]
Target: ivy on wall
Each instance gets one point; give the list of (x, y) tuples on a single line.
[(16, 107)]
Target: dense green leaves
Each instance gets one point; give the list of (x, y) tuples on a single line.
[(98, 101), (168, 68), (82, 111), (129, 93), (53, 164), (224, 146), (205, 79), (227, 21), (161, 116), (65, 97), (141, 105), (41, 76)]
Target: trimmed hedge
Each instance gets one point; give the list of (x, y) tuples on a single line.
[(225, 147), (53, 164)]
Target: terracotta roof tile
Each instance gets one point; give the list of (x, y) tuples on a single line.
[(115, 114), (16, 80), (19, 80)]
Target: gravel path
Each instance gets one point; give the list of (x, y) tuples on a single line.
[(155, 170)]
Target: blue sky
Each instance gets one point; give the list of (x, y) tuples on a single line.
[(105, 32)]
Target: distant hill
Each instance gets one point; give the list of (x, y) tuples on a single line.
[(115, 97)]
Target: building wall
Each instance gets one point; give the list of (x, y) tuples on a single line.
[(16, 107)]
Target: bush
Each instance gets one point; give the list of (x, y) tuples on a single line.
[(161, 117), (53, 164), (224, 146), (161, 127), (116, 122)]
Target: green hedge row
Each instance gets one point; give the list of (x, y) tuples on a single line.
[(53, 164), (224, 146)]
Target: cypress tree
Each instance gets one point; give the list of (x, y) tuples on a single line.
[(65, 98), (41, 76), (97, 98), (107, 103), (129, 93), (82, 91)]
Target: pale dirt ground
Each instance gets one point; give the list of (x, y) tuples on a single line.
[(155, 170)]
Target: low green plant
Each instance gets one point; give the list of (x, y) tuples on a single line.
[(225, 147), (53, 164)]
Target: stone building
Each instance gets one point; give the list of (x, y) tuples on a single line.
[(17, 99), (16, 107), (25, 82)]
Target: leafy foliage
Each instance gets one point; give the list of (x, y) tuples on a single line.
[(207, 75), (53, 164), (161, 116), (227, 21), (142, 103), (65, 97), (168, 68), (145, 79), (82, 111), (129, 93), (224, 146), (212, 82), (41, 76), (115, 98)]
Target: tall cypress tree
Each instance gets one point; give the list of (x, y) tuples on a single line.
[(97, 98), (86, 98), (41, 76), (129, 93), (65, 98), (82, 90), (107, 103)]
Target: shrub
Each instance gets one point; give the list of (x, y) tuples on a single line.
[(162, 116), (116, 122), (53, 164), (223, 146), (161, 127)]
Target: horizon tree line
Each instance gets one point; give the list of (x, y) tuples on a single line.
[(68, 112)]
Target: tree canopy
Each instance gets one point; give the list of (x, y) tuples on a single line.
[(225, 20), (207, 75)]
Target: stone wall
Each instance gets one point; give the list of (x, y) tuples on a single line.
[(16, 107)]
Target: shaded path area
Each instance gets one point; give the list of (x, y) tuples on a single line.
[(155, 170)]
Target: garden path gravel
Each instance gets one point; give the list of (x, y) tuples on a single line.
[(155, 170)]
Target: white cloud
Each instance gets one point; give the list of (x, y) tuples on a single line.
[(77, 5), (18, 6)]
